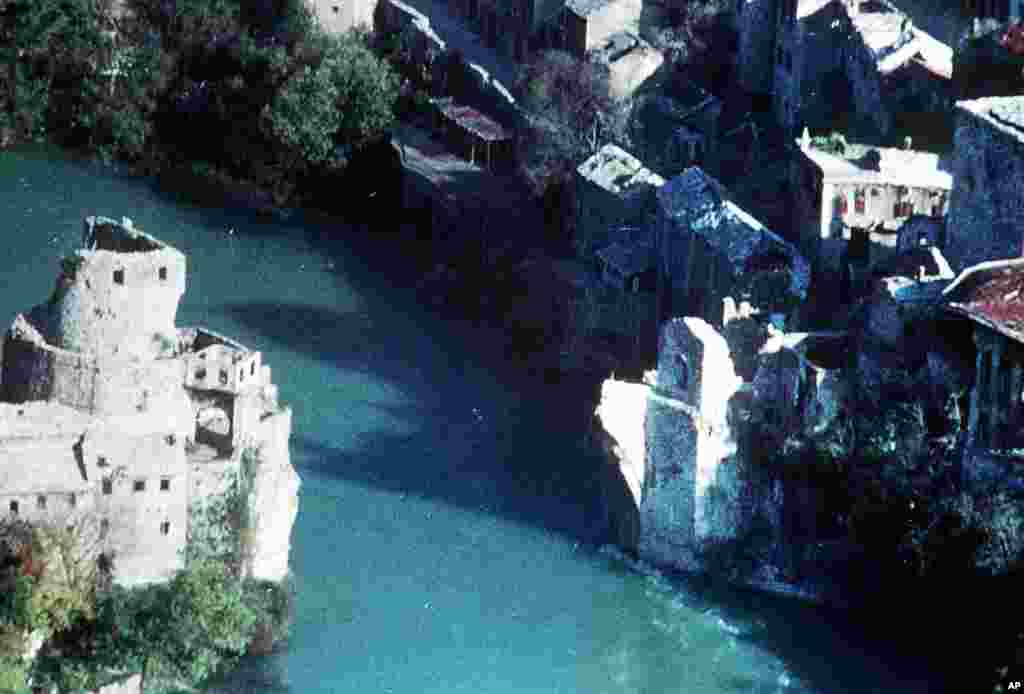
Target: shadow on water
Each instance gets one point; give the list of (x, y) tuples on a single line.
[(510, 467)]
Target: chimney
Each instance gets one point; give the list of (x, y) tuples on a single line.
[(853, 8)]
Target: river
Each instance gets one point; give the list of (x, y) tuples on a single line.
[(449, 532)]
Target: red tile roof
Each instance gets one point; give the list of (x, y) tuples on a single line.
[(991, 294), (472, 120)]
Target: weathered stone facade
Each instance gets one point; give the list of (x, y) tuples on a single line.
[(709, 249), (756, 59), (987, 200), (690, 486), (866, 58), (788, 69), (111, 413), (989, 294), (875, 195)]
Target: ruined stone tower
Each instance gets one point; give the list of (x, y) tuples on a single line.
[(110, 412)]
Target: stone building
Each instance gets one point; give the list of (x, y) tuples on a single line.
[(839, 201), (825, 59), (588, 24), (990, 295), (688, 443), (708, 249), (508, 27), (755, 63), (339, 16), (674, 133), (613, 189), (787, 74), (987, 201), (111, 411), (631, 63)]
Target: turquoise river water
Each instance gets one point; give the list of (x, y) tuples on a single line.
[(449, 533)]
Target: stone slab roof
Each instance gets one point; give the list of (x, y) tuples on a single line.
[(628, 258), (704, 203), (1003, 113), (992, 294), (924, 49), (585, 8), (617, 171)]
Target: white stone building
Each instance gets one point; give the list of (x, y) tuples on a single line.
[(106, 412)]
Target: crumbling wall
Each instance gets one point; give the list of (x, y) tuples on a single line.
[(690, 493), (274, 502), (37, 371)]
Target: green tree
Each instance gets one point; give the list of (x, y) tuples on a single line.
[(303, 116), (200, 620), (367, 89)]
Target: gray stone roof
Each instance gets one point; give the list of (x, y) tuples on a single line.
[(617, 171), (702, 204), (1005, 113), (585, 8)]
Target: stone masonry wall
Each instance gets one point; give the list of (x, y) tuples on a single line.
[(274, 501), (36, 371), (756, 45), (987, 201), (118, 303)]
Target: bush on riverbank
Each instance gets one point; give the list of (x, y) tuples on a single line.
[(263, 95)]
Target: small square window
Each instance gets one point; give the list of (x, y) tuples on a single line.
[(336, 9), (223, 377), (241, 375), (108, 486), (252, 369), (72, 500), (165, 528), (101, 461), (165, 485), (104, 528), (118, 276), (163, 273), (139, 485), (41, 502), (200, 374), (14, 507)]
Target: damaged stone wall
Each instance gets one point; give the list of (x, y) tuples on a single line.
[(987, 200), (756, 58)]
